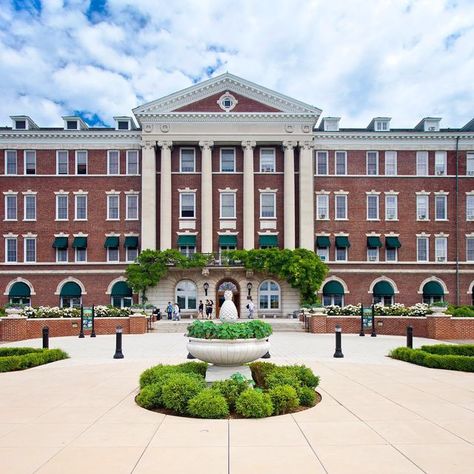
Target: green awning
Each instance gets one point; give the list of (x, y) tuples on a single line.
[(383, 288), (71, 290), (333, 288), (228, 240), (19, 290), (342, 242), (433, 288), (322, 241), (373, 242), (392, 243), (60, 243), (268, 241), (111, 242), (187, 240), (131, 242), (121, 289), (80, 242)]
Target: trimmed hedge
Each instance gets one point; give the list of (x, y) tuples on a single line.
[(434, 361), (20, 358), (450, 349)]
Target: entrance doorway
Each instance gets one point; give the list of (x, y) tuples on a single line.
[(223, 286)]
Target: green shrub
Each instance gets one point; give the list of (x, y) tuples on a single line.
[(284, 399), (450, 349), (307, 397), (305, 375), (9, 351), (178, 389), (260, 370), (246, 330), (282, 376), (198, 368), (150, 396), (208, 404), (230, 389), (28, 358), (158, 372), (253, 403)]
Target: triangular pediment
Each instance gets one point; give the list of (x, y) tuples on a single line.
[(204, 98)]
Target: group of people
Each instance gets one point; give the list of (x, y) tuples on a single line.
[(205, 310), (173, 311)]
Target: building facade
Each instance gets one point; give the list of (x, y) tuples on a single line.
[(229, 164)]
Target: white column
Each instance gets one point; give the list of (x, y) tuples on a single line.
[(248, 195), (206, 196), (165, 195), (289, 195), (148, 208), (306, 196)]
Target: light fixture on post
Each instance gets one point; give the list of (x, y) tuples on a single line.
[(249, 287), (206, 287)]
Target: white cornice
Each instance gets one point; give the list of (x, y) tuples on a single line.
[(219, 117)]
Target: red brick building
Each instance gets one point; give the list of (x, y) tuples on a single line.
[(230, 164)]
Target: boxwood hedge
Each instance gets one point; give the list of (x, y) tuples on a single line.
[(20, 358)]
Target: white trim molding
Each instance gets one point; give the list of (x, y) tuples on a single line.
[(436, 279), (383, 278), (67, 280), (19, 280)]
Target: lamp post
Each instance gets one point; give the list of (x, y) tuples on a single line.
[(118, 343), (206, 287), (249, 287), (338, 354)]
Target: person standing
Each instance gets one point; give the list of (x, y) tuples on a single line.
[(200, 310), (251, 308), (176, 315), (169, 310), (208, 309)]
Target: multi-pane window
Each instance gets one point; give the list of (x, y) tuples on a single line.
[(341, 162), (187, 205), (228, 205), (321, 162), (81, 207), (81, 254), (61, 207), (422, 249), (441, 245), (10, 162), (131, 254), (62, 162), (269, 295), (186, 294), (322, 206), (11, 207), (81, 162), (29, 205), (470, 207), (441, 207), (341, 254), (61, 255), (113, 162), (11, 250), (372, 254), (30, 249), (187, 160), (440, 163), (30, 162), (267, 205), (341, 206), (228, 160), (470, 164), (372, 206), (372, 162), (391, 254), (323, 253), (132, 207), (391, 163), (267, 160), (132, 162), (391, 207), (113, 207), (422, 163), (470, 249), (113, 254), (422, 209)]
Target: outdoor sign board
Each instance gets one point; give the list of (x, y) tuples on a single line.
[(87, 320), (367, 317)]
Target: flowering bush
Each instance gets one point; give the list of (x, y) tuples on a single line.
[(419, 309), (397, 309), (56, 312), (351, 309)]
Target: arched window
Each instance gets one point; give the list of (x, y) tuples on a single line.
[(71, 295), (269, 295), (121, 295), (432, 292), (186, 294), (383, 293), (20, 293), (333, 294)]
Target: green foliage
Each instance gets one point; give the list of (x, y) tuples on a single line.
[(254, 403), (159, 372), (230, 389), (450, 349), (307, 396), (260, 370), (282, 376), (208, 404), (461, 311), (246, 330), (150, 396), (198, 368), (305, 375), (284, 399), (23, 358), (178, 389)]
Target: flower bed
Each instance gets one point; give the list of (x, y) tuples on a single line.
[(397, 309), (57, 312), (181, 390), (20, 358)]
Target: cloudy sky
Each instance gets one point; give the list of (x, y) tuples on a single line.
[(352, 58)]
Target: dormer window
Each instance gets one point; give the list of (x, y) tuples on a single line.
[(330, 124), (429, 124), (74, 122), (381, 125), (227, 102), (72, 125), (123, 125), (20, 124)]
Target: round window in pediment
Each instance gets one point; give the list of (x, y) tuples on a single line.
[(227, 102)]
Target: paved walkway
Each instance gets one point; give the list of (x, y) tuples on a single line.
[(377, 415)]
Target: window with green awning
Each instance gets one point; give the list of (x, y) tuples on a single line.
[(392, 243), (60, 243), (121, 289), (373, 242), (228, 240), (433, 288), (71, 290), (131, 242), (383, 288), (187, 240), (111, 242), (268, 241), (80, 243), (322, 241), (19, 290), (342, 242), (333, 288)]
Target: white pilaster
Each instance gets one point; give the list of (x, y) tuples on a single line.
[(289, 194), (206, 196), (248, 195), (165, 195), (306, 195), (148, 208)]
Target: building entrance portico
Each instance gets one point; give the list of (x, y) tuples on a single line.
[(223, 286)]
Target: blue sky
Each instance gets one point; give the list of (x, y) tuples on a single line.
[(352, 58)]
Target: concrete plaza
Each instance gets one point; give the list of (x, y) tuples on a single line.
[(377, 415)]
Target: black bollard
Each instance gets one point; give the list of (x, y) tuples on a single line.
[(362, 333), (410, 337), (118, 343), (45, 337), (81, 332), (338, 354), (93, 322), (374, 334), (267, 355)]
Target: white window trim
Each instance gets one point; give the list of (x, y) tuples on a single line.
[(25, 197), (469, 160), (127, 257), (274, 206), (318, 212), (67, 207), (76, 195), (427, 239), (268, 293), (336, 196), (108, 255), (444, 258), (325, 154), (445, 196), (138, 163), (423, 154), (378, 206), (220, 159), (346, 253), (6, 163), (426, 195), (181, 159), (15, 238), (76, 162), (396, 255), (67, 256), (127, 217), (387, 197), (24, 249), (323, 252), (469, 237), (377, 257), (57, 162), (109, 195), (24, 161), (445, 162), (193, 194), (220, 205), (7, 195), (469, 218), (376, 163), (387, 153), (75, 256), (260, 160), (109, 152), (345, 163)]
